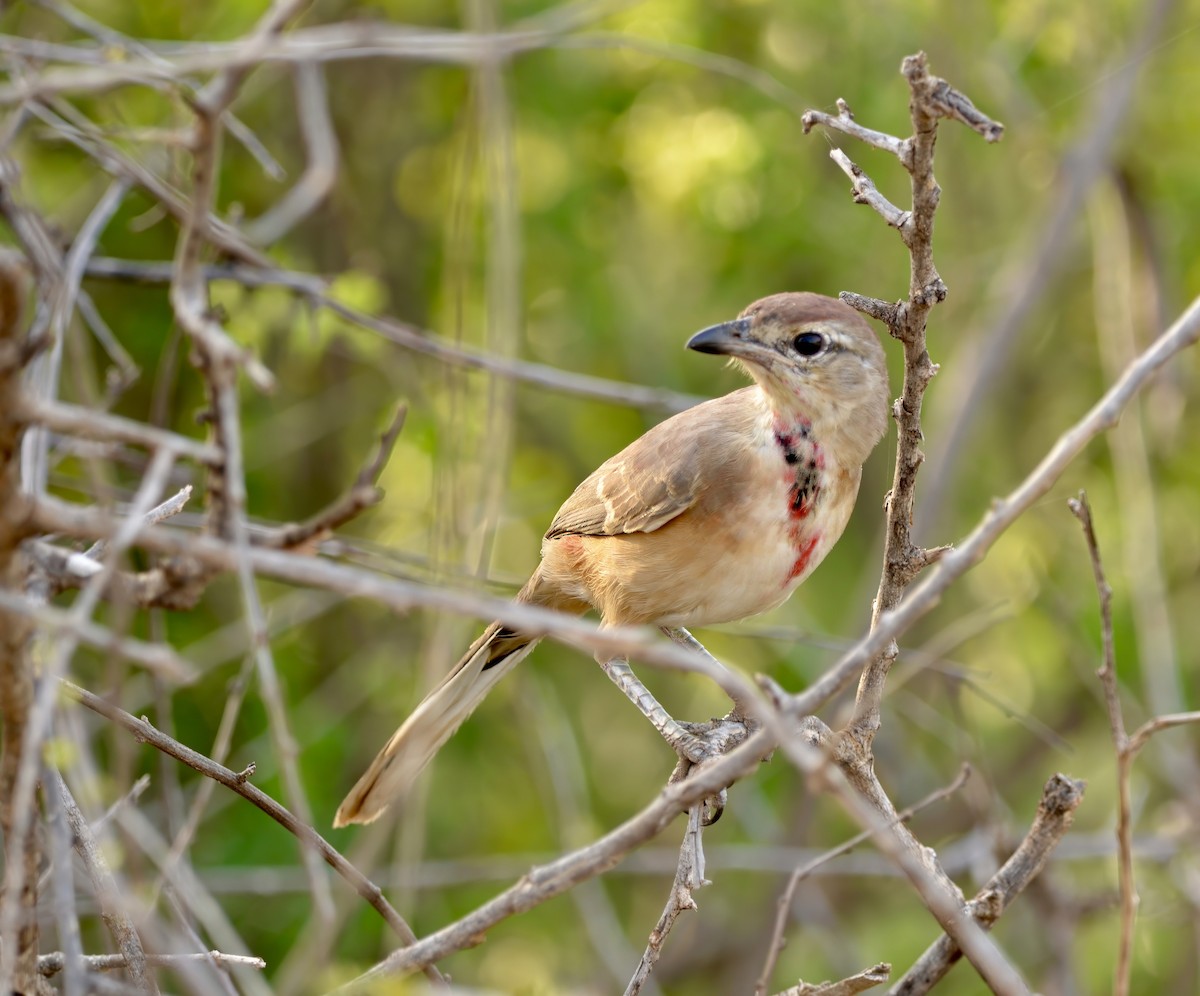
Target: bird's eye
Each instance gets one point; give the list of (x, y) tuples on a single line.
[(809, 343)]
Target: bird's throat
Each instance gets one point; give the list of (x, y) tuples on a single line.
[(803, 473)]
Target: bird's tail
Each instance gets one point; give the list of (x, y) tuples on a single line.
[(440, 713)]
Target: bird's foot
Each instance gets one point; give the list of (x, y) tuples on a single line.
[(714, 738)]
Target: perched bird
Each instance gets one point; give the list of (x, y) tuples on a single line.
[(716, 514)]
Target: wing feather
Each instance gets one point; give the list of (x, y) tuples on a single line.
[(650, 482)]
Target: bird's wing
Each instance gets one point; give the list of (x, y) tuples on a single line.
[(650, 482)]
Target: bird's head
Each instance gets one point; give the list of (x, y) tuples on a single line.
[(813, 357)]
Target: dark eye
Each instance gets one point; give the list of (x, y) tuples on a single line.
[(809, 343)]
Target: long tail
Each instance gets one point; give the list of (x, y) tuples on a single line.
[(440, 713)]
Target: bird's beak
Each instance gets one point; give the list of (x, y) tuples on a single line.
[(726, 339)]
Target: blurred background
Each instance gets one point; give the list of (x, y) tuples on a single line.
[(637, 174)]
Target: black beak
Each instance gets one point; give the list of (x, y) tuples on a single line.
[(724, 339)]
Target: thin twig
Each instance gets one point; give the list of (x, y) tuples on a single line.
[(238, 783), (361, 495), (689, 876), (860, 982), (1125, 746), (52, 964), (867, 803), (775, 946), (66, 915), (1056, 811), (133, 956)]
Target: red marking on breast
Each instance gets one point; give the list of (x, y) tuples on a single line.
[(804, 552)]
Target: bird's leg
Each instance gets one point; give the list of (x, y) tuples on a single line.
[(685, 744)]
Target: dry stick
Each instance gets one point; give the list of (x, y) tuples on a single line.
[(52, 963), (239, 783), (159, 513), (869, 978), (803, 871), (285, 744), (184, 916), (126, 370), (362, 494), (544, 712), (932, 99), (89, 423), (351, 40), (1126, 748), (218, 360), (18, 920), (1056, 811), (234, 697), (44, 372), (1112, 699), (545, 881), (689, 876), (119, 925), (88, 138), (870, 807)]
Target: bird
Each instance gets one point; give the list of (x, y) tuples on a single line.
[(713, 515)]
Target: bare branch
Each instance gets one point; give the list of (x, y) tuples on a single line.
[(803, 871), (18, 903), (1126, 749), (1056, 811), (133, 956), (89, 423), (844, 122), (411, 337), (869, 978), (238, 783), (52, 964), (158, 657), (1144, 732), (689, 876), (552, 879), (865, 192), (864, 799), (362, 495)]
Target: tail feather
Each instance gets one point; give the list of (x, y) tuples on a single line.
[(497, 651)]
